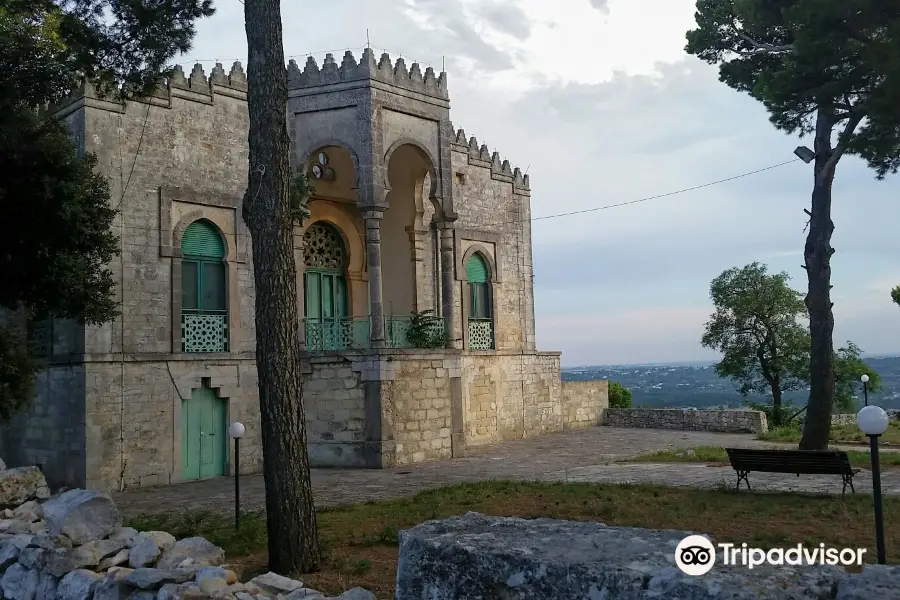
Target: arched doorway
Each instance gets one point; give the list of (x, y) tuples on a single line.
[(203, 435), (325, 288)]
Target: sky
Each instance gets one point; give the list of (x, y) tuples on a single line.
[(599, 102)]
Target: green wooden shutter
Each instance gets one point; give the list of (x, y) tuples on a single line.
[(190, 299), (313, 301), (202, 239), (476, 269)]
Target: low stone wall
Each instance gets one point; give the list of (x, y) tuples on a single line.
[(850, 418), (584, 403), (477, 556), (725, 421), (73, 547)]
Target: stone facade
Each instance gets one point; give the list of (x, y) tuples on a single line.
[(402, 203), (725, 421)]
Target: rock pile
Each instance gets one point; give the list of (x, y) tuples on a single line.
[(73, 547)]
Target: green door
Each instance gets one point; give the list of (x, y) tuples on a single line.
[(203, 435), (325, 302)]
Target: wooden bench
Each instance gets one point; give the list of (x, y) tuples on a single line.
[(807, 462)]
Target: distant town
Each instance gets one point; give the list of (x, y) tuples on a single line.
[(697, 385)]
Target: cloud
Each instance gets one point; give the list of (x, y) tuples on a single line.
[(601, 5)]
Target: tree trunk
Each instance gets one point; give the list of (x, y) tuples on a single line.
[(817, 255), (777, 409), (290, 514)]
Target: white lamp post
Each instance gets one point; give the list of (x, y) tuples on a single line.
[(236, 430), (873, 422), (865, 381)]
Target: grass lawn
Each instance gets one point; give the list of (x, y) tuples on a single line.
[(714, 454), (360, 542), (840, 434)]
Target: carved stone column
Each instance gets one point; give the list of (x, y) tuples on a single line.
[(417, 242), (372, 219), (447, 283)]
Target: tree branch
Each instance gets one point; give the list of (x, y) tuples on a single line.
[(855, 117), (761, 46)]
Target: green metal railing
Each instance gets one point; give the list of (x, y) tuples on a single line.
[(204, 331), (352, 333), (481, 334)]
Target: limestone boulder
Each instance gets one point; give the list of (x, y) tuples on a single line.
[(152, 579), (477, 556), (274, 583), (305, 594), (78, 585), (119, 558), (47, 585), (875, 581), (356, 594), (200, 551), (110, 589), (9, 553), (19, 583), (144, 552), (29, 511), (82, 515), (22, 484)]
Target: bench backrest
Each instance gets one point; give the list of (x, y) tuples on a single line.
[(810, 462)]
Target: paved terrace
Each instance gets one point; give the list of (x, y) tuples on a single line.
[(587, 455)]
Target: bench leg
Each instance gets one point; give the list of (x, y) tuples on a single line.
[(742, 475), (848, 480)]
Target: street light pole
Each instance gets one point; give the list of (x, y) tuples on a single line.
[(865, 382), (873, 422), (236, 431)]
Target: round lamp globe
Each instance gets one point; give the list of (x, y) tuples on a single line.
[(872, 420), (236, 430)]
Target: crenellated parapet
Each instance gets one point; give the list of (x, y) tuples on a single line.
[(195, 86), (383, 70), (481, 156)]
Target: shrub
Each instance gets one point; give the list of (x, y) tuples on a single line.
[(619, 396)]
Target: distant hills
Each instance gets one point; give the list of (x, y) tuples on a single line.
[(696, 385)]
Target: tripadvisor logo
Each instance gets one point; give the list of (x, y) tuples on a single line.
[(695, 555)]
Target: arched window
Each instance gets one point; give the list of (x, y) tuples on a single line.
[(481, 317), (204, 308), (325, 289)]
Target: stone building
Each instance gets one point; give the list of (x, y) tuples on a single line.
[(408, 216)]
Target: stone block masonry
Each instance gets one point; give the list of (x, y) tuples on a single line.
[(134, 435), (477, 556), (725, 421)]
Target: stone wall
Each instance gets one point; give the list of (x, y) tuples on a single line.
[(584, 402), (730, 421), (478, 556), (334, 403), (494, 205), (134, 433), (850, 418), (51, 433), (417, 404)]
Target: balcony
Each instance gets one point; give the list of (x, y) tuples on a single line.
[(204, 332), (481, 334), (352, 333)]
